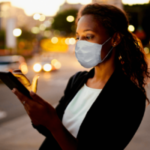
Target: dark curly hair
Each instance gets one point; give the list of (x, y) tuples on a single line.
[(130, 51)]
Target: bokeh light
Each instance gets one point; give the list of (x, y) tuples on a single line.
[(53, 61), (42, 27), (36, 16), (37, 67), (72, 41), (131, 28), (47, 67), (47, 33), (35, 30), (70, 18), (54, 40), (47, 23), (24, 69), (42, 18), (57, 65), (17, 32), (67, 41)]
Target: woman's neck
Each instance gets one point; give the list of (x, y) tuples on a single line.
[(103, 73)]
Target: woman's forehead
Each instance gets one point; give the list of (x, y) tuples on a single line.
[(88, 22)]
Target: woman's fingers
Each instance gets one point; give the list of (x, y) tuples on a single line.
[(37, 98), (22, 97), (38, 110), (19, 94)]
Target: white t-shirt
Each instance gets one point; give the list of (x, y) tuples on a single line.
[(78, 108)]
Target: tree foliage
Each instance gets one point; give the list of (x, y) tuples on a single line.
[(139, 15), (60, 23)]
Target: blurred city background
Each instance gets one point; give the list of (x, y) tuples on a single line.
[(38, 37)]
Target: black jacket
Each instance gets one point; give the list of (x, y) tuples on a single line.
[(111, 121)]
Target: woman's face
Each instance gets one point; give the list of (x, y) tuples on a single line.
[(90, 30)]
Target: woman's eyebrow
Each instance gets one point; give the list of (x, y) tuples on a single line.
[(85, 30)]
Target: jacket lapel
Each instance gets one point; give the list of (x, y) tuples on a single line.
[(79, 83), (102, 101)]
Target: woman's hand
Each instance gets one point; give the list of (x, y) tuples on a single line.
[(42, 113), (39, 111)]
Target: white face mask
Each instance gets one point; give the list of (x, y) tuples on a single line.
[(89, 54)]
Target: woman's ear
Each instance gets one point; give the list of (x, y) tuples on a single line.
[(116, 39)]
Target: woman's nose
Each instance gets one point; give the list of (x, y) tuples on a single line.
[(81, 38)]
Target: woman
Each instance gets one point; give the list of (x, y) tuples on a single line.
[(102, 108)]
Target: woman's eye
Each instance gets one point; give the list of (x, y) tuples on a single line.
[(89, 37), (77, 38), (85, 38)]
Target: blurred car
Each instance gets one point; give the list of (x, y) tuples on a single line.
[(46, 64), (13, 62)]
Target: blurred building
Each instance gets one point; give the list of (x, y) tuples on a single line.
[(8, 11), (117, 3), (66, 6)]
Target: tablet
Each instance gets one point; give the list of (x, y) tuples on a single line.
[(12, 82)]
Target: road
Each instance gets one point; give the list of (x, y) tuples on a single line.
[(14, 121)]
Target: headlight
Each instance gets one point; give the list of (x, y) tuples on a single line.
[(37, 67), (56, 63), (47, 67)]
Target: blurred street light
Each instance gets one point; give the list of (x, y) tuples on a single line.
[(131, 28), (17, 32), (37, 67), (42, 27), (72, 41), (70, 18), (36, 16), (47, 23), (67, 41), (42, 18), (47, 33), (47, 67), (35, 30), (54, 40)]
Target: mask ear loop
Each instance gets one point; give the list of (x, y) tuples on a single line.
[(108, 53), (109, 50), (106, 41)]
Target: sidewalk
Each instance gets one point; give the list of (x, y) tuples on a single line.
[(19, 134)]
